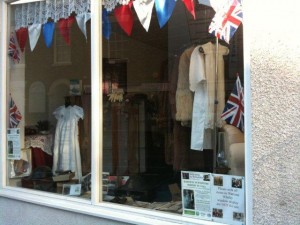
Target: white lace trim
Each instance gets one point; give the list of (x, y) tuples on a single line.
[(110, 5), (39, 12)]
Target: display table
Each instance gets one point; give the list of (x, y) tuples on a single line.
[(41, 147)]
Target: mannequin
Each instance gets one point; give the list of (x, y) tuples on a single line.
[(66, 145)]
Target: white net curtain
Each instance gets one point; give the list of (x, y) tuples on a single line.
[(40, 12)]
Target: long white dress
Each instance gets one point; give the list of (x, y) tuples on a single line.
[(66, 145), (202, 82)]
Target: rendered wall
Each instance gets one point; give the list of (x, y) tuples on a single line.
[(275, 84), (19, 213)]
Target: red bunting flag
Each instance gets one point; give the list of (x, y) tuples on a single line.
[(64, 26), (124, 17), (22, 36), (189, 4)]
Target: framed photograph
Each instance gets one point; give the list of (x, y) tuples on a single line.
[(21, 167), (75, 87), (71, 189)]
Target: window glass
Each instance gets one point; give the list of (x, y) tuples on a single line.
[(172, 105), (163, 103), (49, 118)]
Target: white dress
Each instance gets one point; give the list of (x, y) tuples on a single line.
[(66, 145), (202, 82)]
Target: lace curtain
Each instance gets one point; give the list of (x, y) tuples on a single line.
[(39, 12)]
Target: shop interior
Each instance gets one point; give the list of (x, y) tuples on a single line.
[(144, 147)]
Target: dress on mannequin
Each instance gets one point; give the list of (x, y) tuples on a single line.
[(66, 144)]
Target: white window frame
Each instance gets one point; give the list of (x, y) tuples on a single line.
[(96, 207)]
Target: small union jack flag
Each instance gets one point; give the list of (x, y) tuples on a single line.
[(15, 116), (234, 109), (12, 49), (227, 20)]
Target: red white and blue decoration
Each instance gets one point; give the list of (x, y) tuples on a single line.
[(15, 116), (33, 18), (13, 52), (81, 21), (124, 17), (34, 32), (143, 9), (234, 109), (48, 33), (106, 25), (22, 36), (164, 10), (227, 20)]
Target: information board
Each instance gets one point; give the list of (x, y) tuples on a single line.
[(214, 197)]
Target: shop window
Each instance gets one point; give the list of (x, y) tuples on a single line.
[(166, 141)]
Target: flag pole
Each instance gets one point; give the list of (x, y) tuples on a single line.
[(216, 107)]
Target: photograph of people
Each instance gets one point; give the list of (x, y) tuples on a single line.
[(188, 199), (236, 183)]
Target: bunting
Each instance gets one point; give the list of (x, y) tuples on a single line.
[(34, 32), (226, 21), (164, 10), (124, 17), (81, 21), (189, 4), (106, 26), (64, 26), (22, 36), (143, 9), (48, 32)]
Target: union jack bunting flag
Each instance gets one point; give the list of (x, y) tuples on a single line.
[(15, 116), (227, 20), (234, 109), (12, 49)]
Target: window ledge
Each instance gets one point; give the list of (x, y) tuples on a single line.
[(103, 210)]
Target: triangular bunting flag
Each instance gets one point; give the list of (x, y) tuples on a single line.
[(143, 9), (189, 4), (22, 36), (64, 26), (164, 9), (48, 32), (81, 21), (124, 17), (106, 25), (34, 32)]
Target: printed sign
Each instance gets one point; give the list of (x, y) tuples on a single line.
[(13, 143), (214, 197)]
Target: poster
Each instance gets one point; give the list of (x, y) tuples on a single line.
[(214, 197), (13, 143)]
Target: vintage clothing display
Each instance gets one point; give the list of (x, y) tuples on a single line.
[(205, 84), (66, 145)]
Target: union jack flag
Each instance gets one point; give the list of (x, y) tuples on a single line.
[(227, 20), (234, 109), (15, 116), (12, 49)]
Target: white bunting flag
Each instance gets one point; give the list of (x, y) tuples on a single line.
[(143, 9), (81, 21), (34, 32)]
